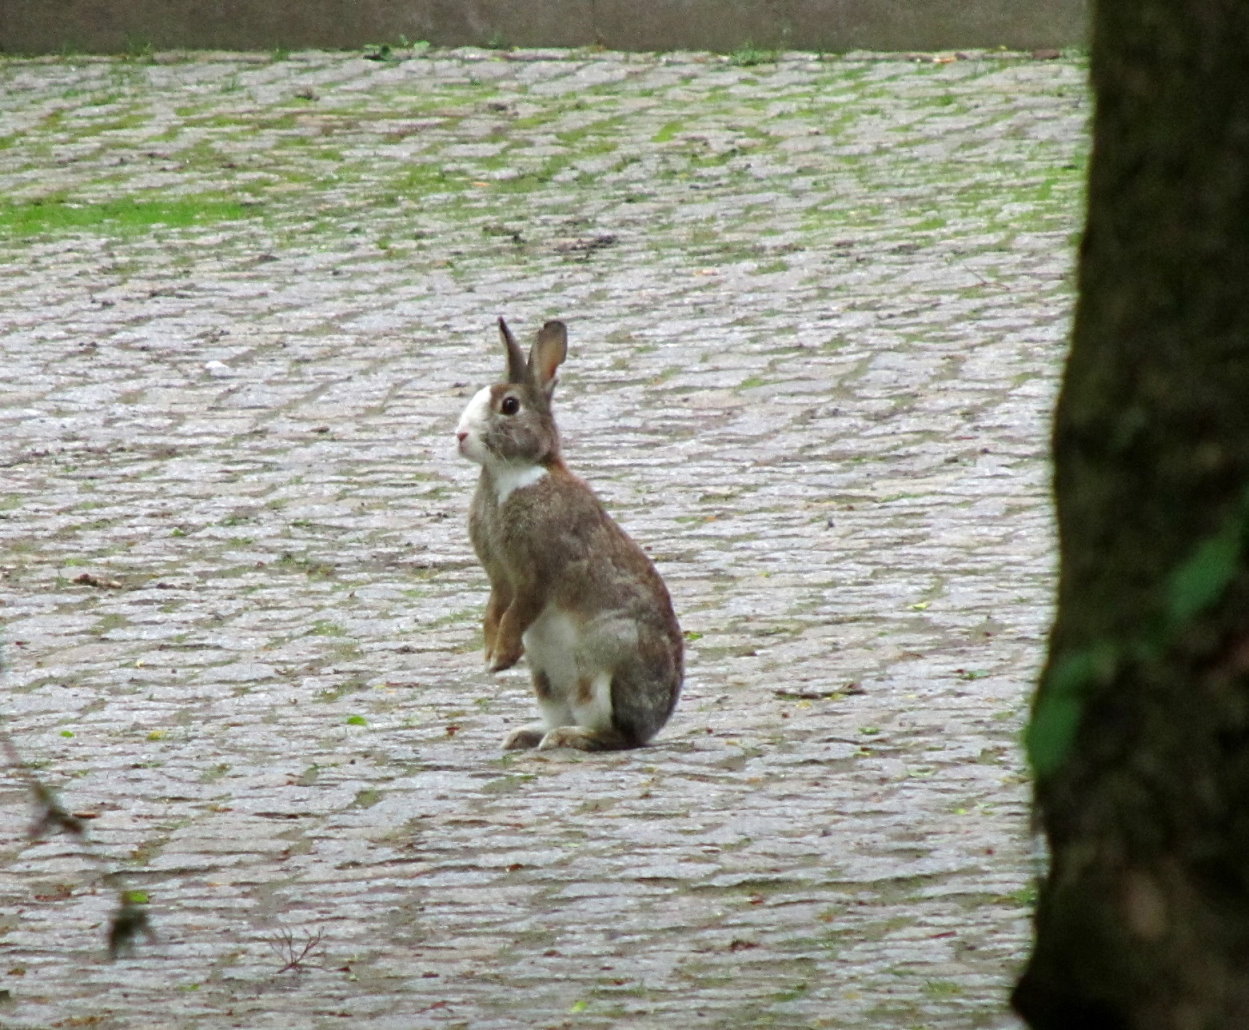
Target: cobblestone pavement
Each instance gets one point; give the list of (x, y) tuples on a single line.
[(817, 309)]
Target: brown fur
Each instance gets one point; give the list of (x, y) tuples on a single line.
[(550, 547)]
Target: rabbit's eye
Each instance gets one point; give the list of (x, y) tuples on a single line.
[(509, 405)]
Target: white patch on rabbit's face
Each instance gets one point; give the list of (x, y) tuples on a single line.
[(471, 435), (470, 432)]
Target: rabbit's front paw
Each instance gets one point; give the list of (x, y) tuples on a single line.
[(490, 634), (504, 662), (506, 652)]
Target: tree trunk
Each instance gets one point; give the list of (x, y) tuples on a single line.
[(1139, 738)]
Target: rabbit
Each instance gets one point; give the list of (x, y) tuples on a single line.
[(568, 587)]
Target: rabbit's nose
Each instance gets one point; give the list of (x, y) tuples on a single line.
[(461, 435)]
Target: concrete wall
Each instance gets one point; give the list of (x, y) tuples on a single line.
[(110, 26)]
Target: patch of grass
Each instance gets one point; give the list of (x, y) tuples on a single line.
[(123, 217), (943, 988), (308, 566), (602, 134), (423, 179), (773, 267), (749, 56), (332, 694), (215, 773), (507, 784), (462, 616), (1023, 897), (109, 622), (366, 798), (530, 179), (669, 131), (798, 990)]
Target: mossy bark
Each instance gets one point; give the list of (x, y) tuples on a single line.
[(1140, 731)]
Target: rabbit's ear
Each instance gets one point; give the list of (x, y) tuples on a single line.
[(548, 354), (515, 356)]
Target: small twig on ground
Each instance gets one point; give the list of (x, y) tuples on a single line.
[(283, 945)]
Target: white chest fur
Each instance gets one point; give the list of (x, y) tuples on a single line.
[(508, 478)]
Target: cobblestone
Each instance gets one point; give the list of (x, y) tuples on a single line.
[(817, 309)]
